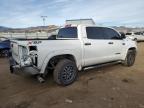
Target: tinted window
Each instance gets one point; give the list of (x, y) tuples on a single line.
[(95, 33), (69, 32), (138, 33), (128, 33), (111, 34)]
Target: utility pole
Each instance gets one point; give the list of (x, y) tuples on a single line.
[(44, 19)]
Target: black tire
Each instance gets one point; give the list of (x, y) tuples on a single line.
[(65, 72), (130, 58)]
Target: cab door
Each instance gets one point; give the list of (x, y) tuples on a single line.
[(97, 49), (116, 42)]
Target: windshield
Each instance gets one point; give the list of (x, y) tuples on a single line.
[(138, 33), (128, 33)]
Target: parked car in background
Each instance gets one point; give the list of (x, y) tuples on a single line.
[(137, 36), (4, 46)]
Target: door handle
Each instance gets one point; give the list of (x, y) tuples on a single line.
[(110, 43), (123, 43), (87, 43)]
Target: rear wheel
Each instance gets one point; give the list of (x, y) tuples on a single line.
[(130, 58), (65, 72)]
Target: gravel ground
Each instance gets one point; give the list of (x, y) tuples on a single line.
[(113, 86)]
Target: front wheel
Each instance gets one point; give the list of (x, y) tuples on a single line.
[(130, 58), (65, 72)]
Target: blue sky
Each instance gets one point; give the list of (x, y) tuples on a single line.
[(25, 13)]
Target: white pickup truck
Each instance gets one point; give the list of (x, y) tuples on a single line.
[(75, 48)]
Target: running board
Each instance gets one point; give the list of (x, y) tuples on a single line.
[(101, 65)]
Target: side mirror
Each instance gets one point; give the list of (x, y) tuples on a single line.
[(123, 36)]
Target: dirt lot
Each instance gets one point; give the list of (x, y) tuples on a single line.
[(113, 86)]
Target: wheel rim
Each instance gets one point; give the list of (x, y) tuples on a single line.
[(68, 73)]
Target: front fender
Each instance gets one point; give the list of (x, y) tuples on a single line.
[(129, 44)]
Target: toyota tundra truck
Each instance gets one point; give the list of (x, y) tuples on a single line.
[(74, 48)]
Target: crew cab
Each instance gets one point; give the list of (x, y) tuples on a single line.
[(75, 48)]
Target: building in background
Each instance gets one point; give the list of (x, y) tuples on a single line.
[(80, 21)]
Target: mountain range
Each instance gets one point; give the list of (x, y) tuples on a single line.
[(2, 29), (29, 29), (54, 27)]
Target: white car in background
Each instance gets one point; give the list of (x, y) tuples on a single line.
[(138, 36)]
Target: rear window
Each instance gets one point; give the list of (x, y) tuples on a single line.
[(68, 32)]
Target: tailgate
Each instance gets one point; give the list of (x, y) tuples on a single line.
[(15, 51)]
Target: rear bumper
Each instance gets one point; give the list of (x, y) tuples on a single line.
[(17, 69)]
